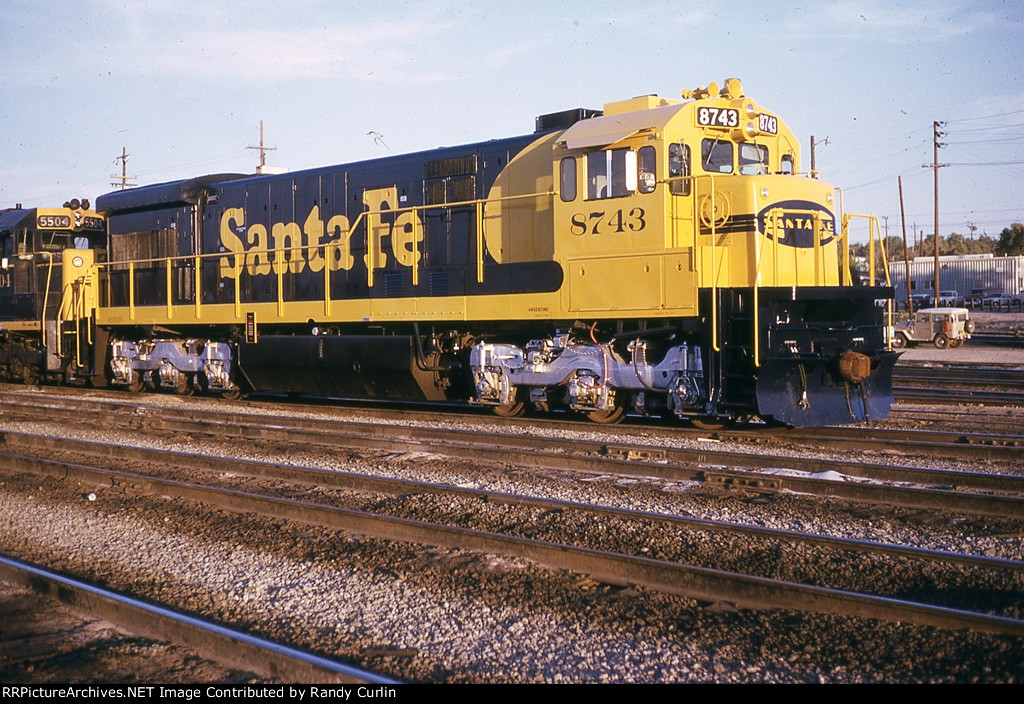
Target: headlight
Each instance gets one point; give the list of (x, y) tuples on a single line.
[(77, 261)]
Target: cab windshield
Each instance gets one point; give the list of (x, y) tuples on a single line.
[(54, 241), (716, 156), (753, 158)]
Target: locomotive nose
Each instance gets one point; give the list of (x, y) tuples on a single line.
[(809, 393)]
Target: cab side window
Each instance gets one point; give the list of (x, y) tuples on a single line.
[(567, 179), (648, 169), (611, 173), (679, 166)]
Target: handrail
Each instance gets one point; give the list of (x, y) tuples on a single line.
[(759, 242), (714, 269), (874, 231), (46, 296), (696, 198), (170, 296), (71, 307), (280, 263)]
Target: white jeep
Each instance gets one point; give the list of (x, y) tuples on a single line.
[(943, 327)]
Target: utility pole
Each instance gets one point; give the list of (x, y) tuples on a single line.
[(885, 242), (906, 253), (935, 166), (124, 178), (263, 151), (814, 170), (971, 227)]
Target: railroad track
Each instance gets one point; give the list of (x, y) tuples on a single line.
[(1007, 422), (666, 575), (983, 493), (966, 445), (909, 394), (659, 548), (1007, 375), (998, 339), (229, 647), (957, 384)]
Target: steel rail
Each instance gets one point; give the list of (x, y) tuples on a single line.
[(355, 481), (952, 397), (944, 443), (615, 568), (968, 445), (973, 444), (719, 468), (211, 641)]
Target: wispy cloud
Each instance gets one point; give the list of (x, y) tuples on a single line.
[(238, 42), (354, 51)]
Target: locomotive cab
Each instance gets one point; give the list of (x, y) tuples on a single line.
[(695, 213), (48, 290)]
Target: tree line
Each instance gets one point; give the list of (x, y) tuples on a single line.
[(1009, 243)]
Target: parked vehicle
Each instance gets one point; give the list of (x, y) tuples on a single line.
[(949, 298), (998, 300), (943, 327), (921, 300), (977, 296)]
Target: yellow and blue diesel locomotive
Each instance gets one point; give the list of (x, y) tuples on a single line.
[(47, 294), (662, 257)]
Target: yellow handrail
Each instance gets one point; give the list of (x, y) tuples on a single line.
[(199, 286), (105, 268), (170, 295), (131, 291)]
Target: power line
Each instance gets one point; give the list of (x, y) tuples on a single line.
[(263, 151), (990, 128), (124, 178), (935, 166), (987, 117), (985, 163)]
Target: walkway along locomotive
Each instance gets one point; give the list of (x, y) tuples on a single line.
[(659, 257)]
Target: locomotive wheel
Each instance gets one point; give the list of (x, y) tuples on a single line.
[(136, 384), (21, 372), (955, 343), (510, 410), (184, 386), (30, 375), (941, 341), (612, 415), (709, 422), (899, 341), (231, 394)]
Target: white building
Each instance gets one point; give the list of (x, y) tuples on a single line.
[(961, 273)]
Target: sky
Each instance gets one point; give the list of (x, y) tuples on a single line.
[(183, 87)]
